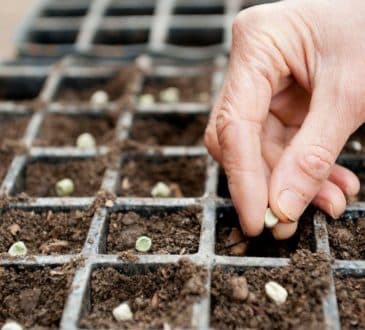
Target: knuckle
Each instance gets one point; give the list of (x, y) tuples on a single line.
[(208, 137)]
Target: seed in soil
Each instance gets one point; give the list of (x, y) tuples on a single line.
[(276, 292), (11, 325), (184, 175), (161, 189), (146, 100), (172, 231), (65, 187), (123, 312), (170, 95), (143, 244), (175, 287), (99, 98), (18, 249), (85, 141), (270, 219)]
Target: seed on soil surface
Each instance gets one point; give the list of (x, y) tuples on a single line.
[(18, 249), (270, 219), (239, 288), (170, 95), (11, 325), (123, 312), (99, 98), (65, 187), (234, 237), (86, 141), (276, 292), (355, 145), (239, 250), (14, 229), (161, 189), (146, 100), (143, 244)]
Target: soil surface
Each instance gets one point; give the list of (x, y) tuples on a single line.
[(175, 232), (306, 280), (41, 177), (347, 238), (351, 301), (229, 239), (60, 130), (5, 161), (34, 297), (12, 127), (185, 176), (172, 130), (45, 232), (192, 89), (158, 299)]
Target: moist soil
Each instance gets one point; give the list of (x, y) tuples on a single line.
[(183, 130), (60, 130), (264, 245), (306, 280), (347, 238), (12, 127), (45, 232), (158, 299), (5, 161), (171, 232), (41, 177), (191, 89), (350, 293), (34, 297), (185, 176)]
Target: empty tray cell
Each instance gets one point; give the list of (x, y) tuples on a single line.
[(347, 238), (45, 232), (195, 37), (63, 130), (223, 190), (172, 130), (41, 176), (12, 128), (53, 37), (122, 8), (122, 37), (306, 280), (356, 142), (20, 88), (34, 297), (190, 88), (6, 158), (157, 296), (172, 230), (351, 301), (185, 176), (68, 11), (230, 240), (184, 7)]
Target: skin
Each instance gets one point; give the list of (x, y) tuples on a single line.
[(293, 94)]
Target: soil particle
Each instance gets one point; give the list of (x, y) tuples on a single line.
[(164, 296), (351, 301), (306, 280), (46, 232), (347, 238), (175, 232)]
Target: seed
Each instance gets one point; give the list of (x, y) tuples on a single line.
[(355, 145), (270, 219), (161, 189), (170, 95), (14, 229), (99, 98), (239, 250), (239, 288), (85, 141), (144, 62), (123, 312), (18, 249), (276, 292), (146, 100), (234, 237), (11, 325), (65, 187), (143, 244)]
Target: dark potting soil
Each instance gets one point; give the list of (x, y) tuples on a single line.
[(191, 89), (45, 232), (60, 130), (174, 232), (12, 127), (351, 301), (230, 240), (162, 297), (185, 176), (306, 280), (173, 130), (5, 161), (347, 238), (34, 297), (41, 177)]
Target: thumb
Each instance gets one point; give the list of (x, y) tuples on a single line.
[(308, 160)]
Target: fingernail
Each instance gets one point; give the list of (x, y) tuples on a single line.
[(291, 204), (327, 207)]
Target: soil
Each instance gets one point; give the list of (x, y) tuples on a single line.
[(264, 245), (192, 89), (158, 299), (60, 130), (174, 232), (351, 301), (34, 297), (12, 127), (41, 177), (347, 238), (306, 280), (5, 161), (173, 130), (185, 176), (45, 232)]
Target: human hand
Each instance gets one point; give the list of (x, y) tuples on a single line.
[(292, 96)]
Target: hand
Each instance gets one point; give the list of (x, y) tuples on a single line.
[(293, 94)]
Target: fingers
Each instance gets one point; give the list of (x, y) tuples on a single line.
[(346, 180)]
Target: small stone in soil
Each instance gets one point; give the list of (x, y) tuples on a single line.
[(18, 249), (161, 189), (123, 312), (170, 95), (64, 187), (14, 229), (239, 288), (85, 141), (146, 100), (11, 325), (270, 219), (276, 292), (99, 98), (143, 244)]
